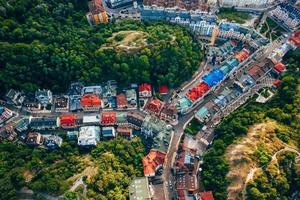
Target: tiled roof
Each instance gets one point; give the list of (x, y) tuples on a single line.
[(206, 195), (121, 100), (198, 91), (154, 105), (279, 67), (242, 55), (90, 100), (68, 120), (108, 118), (152, 161), (163, 89), (145, 87)]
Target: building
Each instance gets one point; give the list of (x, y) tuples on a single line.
[(135, 119), (246, 3), (22, 125), (242, 55), (279, 68), (139, 189), (15, 97), (145, 90), (61, 104), (34, 139), (108, 132), (97, 90), (43, 123), (185, 161), (204, 196), (163, 89), (97, 13), (75, 103), (72, 135), (152, 162), (91, 120), (44, 97), (88, 136), (131, 98), (187, 182), (121, 118), (75, 88), (108, 118), (154, 106), (125, 131), (118, 3), (5, 114), (90, 102), (295, 39), (68, 120), (169, 112), (52, 141), (179, 4), (121, 101), (198, 91)]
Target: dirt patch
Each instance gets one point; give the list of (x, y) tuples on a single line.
[(89, 171), (240, 156), (127, 41)]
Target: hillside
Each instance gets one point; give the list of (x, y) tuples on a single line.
[(247, 143), (53, 41)]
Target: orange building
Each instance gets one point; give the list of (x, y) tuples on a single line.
[(154, 106), (108, 118), (90, 102), (152, 162), (68, 120), (97, 13), (279, 67), (242, 55)]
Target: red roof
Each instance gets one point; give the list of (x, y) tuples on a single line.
[(68, 120), (152, 161), (145, 87), (206, 195), (108, 118), (163, 89), (279, 67), (198, 91), (253, 70), (154, 105), (295, 38), (121, 100), (277, 82), (242, 55), (90, 100), (181, 194)]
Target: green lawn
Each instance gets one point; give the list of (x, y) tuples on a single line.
[(274, 30), (232, 15), (193, 127)]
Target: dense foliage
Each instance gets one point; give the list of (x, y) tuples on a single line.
[(118, 161), (284, 108), (49, 43), (232, 14)]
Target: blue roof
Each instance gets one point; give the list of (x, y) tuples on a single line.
[(213, 77), (108, 132), (202, 112)]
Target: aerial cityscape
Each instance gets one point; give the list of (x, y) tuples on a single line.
[(150, 99)]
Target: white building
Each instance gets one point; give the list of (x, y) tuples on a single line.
[(44, 97), (88, 136), (245, 3)]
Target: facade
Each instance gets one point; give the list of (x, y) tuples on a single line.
[(169, 112), (245, 3), (152, 162), (108, 118), (52, 141), (131, 98), (5, 114), (90, 102), (125, 131), (43, 123), (44, 97), (118, 3), (88, 136), (61, 104), (15, 97), (145, 90), (34, 139), (108, 132), (135, 119), (97, 13)]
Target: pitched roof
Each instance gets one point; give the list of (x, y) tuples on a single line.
[(152, 161), (198, 91), (206, 195), (145, 87), (154, 105), (68, 119), (108, 118), (90, 100), (279, 67), (163, 89), (121, 100), (242, 55)]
